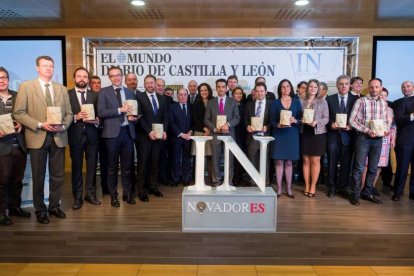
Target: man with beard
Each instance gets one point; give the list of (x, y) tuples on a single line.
[(83, 139)]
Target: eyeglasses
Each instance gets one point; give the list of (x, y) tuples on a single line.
[(115, 76)]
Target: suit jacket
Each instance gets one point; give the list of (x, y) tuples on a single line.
[(6, 143), (75, 130), (198, 110), (334, 108), (108, 110), (251, 112), (178, 123), (144, 125), (30, 110), (197, 98), (321, 115), (230, 110), (405, 127)]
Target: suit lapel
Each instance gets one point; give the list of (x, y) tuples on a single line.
[(336, 103), (39, 92)]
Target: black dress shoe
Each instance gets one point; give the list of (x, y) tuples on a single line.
[(411, 196), (143, 198), (331, 194), (42, 218), (77, 204), (354, 201), (395, 198), (186, 184), (92, 200), (5, 220), (115, 202), (19, 212), (130, 200), (371, 198), (124, 197), (57, 213), (156, 193)]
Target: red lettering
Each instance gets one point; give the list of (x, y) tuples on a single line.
[(253, 208), (257, 208), (261, 208)]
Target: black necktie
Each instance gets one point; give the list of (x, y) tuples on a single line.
[(184, 110), (118, 96), (83, 100), (342, 105)]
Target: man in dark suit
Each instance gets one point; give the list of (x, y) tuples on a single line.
[(44, 140), (221, 105), (154, 110), (119, 134), (180, 128), (131, 82), (404, 148), (193, 93), (83, 140), (258, 108), (340, 140), (12, 158)]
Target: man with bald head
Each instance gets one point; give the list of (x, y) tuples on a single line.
[(404, 148), (192, 90)]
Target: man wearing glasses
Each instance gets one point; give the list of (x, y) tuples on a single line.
[(119, 134)]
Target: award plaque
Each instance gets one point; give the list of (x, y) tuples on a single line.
[(341, 120), (377, 126), (134, 105), (308, 115), (54, 115), (158, 129), (221, 120), (257, 123), (6, 124), (285, 117), (88, 108)]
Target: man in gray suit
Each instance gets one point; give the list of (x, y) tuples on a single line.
[(119, 134), (221, 105), (44, 139), (12, 158)]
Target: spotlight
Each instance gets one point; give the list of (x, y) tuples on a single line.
[(301, 2), (138, 3)]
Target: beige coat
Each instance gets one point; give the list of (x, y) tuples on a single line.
[(30, 110)]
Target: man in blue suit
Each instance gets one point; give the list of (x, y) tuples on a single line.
[(340, 140), (119, 134), (180, 127)]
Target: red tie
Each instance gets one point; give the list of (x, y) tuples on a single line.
[(221, 107)]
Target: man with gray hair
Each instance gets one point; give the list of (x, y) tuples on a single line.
[(340, 137)]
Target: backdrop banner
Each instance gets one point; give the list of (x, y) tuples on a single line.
[(178, 66)]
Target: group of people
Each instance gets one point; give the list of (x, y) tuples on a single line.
[(306, 125)]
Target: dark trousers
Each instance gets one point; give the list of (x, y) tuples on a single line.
[(182, 160), (166, 158), (90, 149), (103, 164), (365, 147), (38, 161), (120, 149), (337, 152), (405, 157), (11, 175), (147, 174)]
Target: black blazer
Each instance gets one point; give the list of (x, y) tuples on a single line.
[(178, 123), (198, 111), (75, 130), (333, 105), (251, 112), (6, 143), (197, 98), (405, 127), (144, 124)]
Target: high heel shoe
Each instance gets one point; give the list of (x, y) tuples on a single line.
[(305, 193), (311, 195)]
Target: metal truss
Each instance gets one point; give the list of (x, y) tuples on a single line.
[(349, 43)]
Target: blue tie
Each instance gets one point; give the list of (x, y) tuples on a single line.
[(154, 104)]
